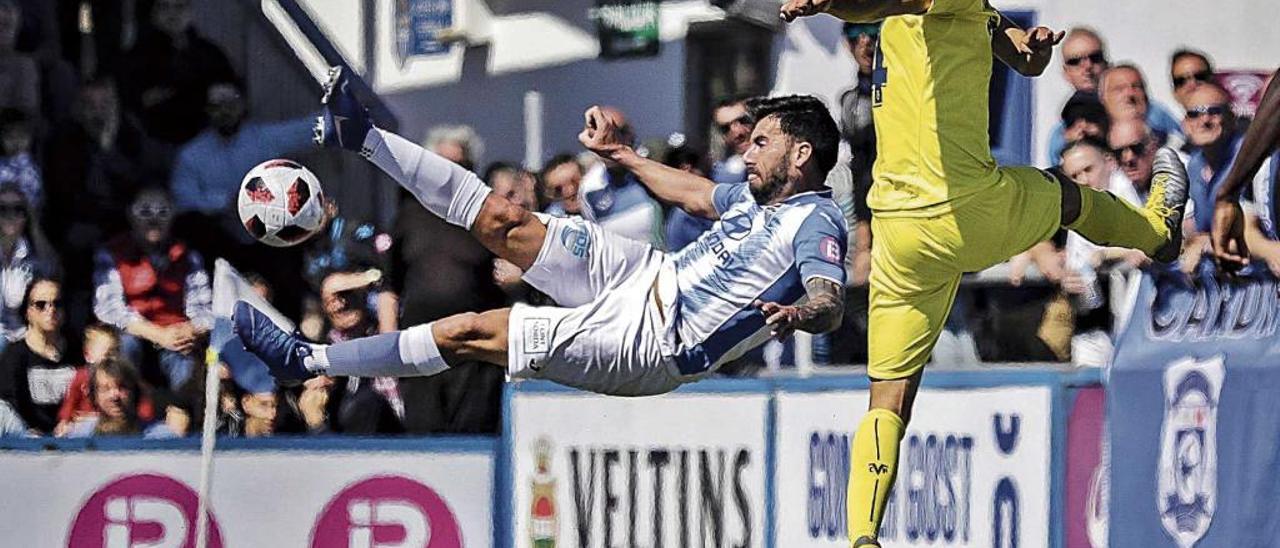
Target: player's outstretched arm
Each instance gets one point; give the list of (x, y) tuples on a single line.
[(1026, 51), (680, 188), (853, 11), (1263, 136), (822, 313)]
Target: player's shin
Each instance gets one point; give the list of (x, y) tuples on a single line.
[(873, 465), (1110, 221), (443, 187), (408, 353)]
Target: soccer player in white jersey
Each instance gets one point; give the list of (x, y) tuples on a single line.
[(632, 320)]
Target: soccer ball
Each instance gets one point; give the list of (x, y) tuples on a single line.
[(281, 203)]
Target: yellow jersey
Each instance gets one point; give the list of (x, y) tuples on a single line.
[(930, 102)]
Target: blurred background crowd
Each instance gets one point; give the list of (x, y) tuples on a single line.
[(125, 132)]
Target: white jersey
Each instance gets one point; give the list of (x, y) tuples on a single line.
[(752, 253)]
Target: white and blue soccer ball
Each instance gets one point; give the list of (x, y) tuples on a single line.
[(281, 203)]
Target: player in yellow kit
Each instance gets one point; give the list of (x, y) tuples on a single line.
[(942, 207)]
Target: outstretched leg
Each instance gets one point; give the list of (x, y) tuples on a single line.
[(1107, 220), (419, 351), (442, 187)]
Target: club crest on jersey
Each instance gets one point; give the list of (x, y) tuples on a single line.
[(577, 241), (1187, 474), (736, 225)]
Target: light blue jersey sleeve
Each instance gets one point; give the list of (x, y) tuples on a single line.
[(820, 245), (724, 197)]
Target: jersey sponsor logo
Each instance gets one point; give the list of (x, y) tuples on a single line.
[(577, 241), (830, 249), (537, 335), (1187, 475), (736, 225)]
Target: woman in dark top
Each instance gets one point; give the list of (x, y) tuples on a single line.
[(35, 372)]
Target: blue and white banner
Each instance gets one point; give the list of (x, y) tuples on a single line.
[(1195, 428)]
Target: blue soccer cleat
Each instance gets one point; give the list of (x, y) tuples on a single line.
[(284, 354), (344, 122)]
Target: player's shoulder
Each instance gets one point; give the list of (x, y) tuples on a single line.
[(816, 207)]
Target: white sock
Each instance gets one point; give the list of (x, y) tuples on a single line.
[(441, 186), (418, 349)]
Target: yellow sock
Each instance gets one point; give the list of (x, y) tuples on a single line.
[(1110, 221), (873, 464)]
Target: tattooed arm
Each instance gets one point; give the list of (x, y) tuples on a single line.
[(822, 313)]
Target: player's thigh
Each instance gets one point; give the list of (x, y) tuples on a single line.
[(1024, 208), (610, 346), (579, 261), (914, 279)]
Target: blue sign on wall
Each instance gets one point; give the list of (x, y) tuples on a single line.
[(418, 26), (1195, 428)]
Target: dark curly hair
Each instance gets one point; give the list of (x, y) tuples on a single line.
[(803, 118)]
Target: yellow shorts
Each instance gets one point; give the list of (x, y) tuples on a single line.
[(916, 263)]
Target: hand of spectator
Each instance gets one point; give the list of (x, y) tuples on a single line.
[(794, 9), (61, 429), (1072, 282), (1135, 259), (507, 276), (601, 134), (1269, 252), (1018, 268), (1192, 251), (314, 398), (179, 338), (1229, 247)]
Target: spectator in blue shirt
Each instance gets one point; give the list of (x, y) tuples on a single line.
[(1123, 93), (1213, 141), (210, 167)]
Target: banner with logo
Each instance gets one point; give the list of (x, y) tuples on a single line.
[(259, 498), (680, 470), (627, 28), (1194, 420), (973, 468)]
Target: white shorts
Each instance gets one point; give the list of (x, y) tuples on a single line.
[(614, 333)]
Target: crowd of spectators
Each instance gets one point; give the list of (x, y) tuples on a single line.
[(121, 156)]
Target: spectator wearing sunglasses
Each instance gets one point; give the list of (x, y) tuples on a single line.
[(1083, 116), (24, 255), (36, 371), (155, 290), (1213, 141), (1189, 70), (1134, 145), (1084, 58)]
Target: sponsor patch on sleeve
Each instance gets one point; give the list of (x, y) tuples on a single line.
[(830, 249), (537, 335)]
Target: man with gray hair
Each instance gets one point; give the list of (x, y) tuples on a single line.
[(458, 143)]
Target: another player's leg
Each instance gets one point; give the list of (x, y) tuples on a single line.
[(419, 351), (911, 297), (1110, 221), (441, 186)]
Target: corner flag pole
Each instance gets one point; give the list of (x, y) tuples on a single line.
[(207, 440)]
